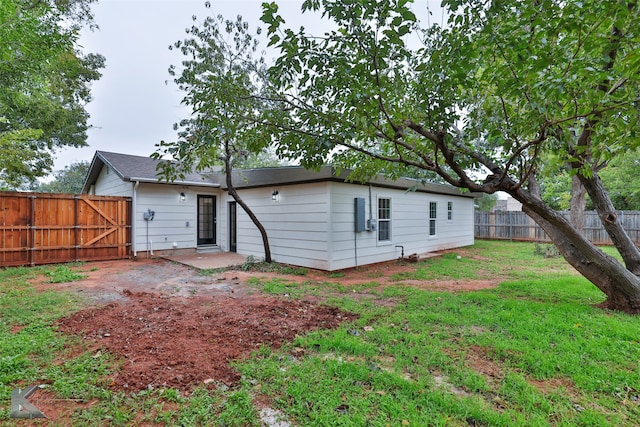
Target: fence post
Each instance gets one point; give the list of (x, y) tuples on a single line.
[(532, 229), (75, 227), (510, 226), (492, 225), (32, 232)]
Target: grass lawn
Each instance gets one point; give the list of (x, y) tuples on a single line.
[(534, 351)]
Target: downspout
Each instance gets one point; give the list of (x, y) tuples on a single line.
[(134, 209), (370, 208)]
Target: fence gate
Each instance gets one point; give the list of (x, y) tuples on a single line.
[(43, 228)]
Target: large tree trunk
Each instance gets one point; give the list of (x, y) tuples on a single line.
[(578, 203), (247, 209), (619, 284), (609, 218)]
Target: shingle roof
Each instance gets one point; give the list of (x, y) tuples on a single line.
[(139, 168)]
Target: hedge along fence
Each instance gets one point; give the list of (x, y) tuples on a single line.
[(515, 225), (44, 228)]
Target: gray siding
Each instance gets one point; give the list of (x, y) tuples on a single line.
[(297, 224), (312, 225), (110, 184), (409, 225), (174, 221)]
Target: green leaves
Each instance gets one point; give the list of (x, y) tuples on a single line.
[(223, 81), (270, 16), (45, 84), (491, 95), (68, 180), (21, 159)]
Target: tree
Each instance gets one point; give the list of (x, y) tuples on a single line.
[(618, 178), (560, 187), (486, 202), (479, 102), (44, 81), (220, 77), (266, 158), (68, 180)]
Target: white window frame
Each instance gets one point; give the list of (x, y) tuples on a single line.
[(384, 220), (449, 211), (433, 219)]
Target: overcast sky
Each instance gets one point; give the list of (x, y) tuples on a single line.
[(132, 108)]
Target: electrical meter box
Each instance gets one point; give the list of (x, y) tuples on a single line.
[(360, 219)]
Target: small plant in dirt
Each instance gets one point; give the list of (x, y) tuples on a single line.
[(63, 274), (249, 263), (546, 251)]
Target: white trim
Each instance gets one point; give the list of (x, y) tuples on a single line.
[(434, 219), (388, 241), (134, 207)]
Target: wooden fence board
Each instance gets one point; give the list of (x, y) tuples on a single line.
[(516, 225), (43, 228)]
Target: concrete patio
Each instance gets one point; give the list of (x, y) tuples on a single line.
[(209, 260)]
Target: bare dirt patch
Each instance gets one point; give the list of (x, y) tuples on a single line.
[(478, 360), (106, 280), (175, 327), (184, 342)]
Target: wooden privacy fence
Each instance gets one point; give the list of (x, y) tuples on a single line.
[(515, 225), (43, 228)]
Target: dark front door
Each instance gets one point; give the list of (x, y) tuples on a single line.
[(206, 220), (233, 228)]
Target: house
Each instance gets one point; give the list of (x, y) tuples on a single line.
[(314, 219), (508, 204)]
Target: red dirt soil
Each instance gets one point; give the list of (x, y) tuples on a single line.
[(173, 327), (181, 343)]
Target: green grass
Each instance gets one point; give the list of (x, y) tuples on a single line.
[(29, 344), (64, 274), (535, 351), (253, 265), (488, 260), (33, 352)]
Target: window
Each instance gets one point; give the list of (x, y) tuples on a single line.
[(433, 217), (449, 211), (384, 219)]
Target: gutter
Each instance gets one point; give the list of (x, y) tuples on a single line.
[(155, 181)]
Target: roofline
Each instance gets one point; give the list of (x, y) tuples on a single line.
[(99, 161), (330, 174), (454, 191), (288, 175), (92, 174)]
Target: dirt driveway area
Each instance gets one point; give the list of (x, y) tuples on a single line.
[(174, 327)]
